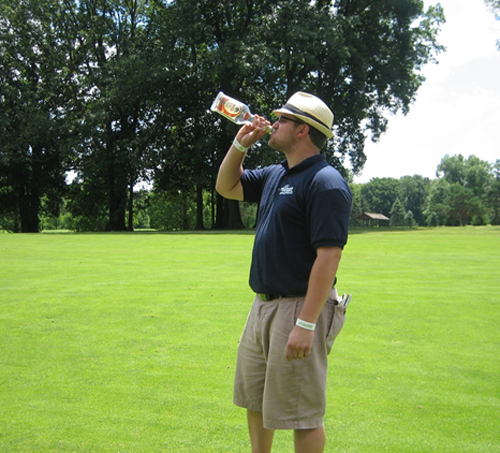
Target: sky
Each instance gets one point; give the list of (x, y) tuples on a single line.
[(457, 109)]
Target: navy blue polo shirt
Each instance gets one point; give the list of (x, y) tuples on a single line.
[(300, 209)]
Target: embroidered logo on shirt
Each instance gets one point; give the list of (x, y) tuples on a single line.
[(286, 190)]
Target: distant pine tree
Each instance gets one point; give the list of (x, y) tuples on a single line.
[(409, 220), (397, 213), (433, 219)]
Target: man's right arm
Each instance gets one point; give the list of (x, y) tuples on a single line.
[(229, 177)]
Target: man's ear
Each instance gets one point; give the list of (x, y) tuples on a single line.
[(303, 130)]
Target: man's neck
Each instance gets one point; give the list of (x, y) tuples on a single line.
[(295, 158)]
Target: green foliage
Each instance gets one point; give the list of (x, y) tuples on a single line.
[(61, 219), (380, 194), (249, 214), (87, 205), (359, 204), (140, 209), (470, 172), (175, 212), (410, 220), (492, 201), (35, 91), (460, 195), (398, 214), (413, 192), (433, 219), (466, 192), (117, 85), (172, 212), (462, 203), (430, 203), (119, 91)]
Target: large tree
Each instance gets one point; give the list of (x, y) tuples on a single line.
[(414, 191), (118, 79), (470, 172), (35, 102), (362, 57), (135, 79), (209, 46), (380, 194), (460, 195)]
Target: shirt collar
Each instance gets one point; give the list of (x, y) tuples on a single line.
[(309, 162)]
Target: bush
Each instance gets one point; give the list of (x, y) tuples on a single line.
[(433, 219), (409, 220), (172, 212)]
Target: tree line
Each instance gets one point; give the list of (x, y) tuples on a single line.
[(466, 191), (116, 93)]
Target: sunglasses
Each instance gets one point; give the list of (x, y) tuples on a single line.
[(282, 119)]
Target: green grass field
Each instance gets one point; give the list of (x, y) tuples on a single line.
[(126, 343)]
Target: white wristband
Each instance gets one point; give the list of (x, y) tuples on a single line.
[(305, 325), (239, 146)]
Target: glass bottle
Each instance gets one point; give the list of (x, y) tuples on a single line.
[(233, 110)]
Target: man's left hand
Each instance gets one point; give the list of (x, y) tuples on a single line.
[(299, 344)]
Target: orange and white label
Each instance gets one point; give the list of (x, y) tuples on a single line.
[(229, 108)]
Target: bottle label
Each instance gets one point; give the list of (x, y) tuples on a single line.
[(229, 108)]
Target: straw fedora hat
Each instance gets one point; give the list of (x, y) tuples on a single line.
[(310, 110)]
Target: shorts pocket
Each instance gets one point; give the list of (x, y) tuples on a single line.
[(336, 316)]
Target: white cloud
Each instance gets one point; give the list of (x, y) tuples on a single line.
[(457, 110)]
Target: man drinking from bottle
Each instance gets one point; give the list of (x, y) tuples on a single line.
[(302, 227)]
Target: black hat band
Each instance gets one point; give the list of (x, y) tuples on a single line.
[(301, 112)]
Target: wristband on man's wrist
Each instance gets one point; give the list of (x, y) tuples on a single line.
[(239, 146), (305, 325)]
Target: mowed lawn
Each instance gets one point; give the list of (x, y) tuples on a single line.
[(127, 342)]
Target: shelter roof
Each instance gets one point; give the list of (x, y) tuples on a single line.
[(372, 216)]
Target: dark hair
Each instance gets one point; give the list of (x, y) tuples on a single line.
[(317, 137)]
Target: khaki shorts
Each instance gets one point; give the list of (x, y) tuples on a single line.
[(291, 395)]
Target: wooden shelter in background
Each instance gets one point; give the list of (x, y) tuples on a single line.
[(373, 219)]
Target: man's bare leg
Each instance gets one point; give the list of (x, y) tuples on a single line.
[(310, 440), (260, 437)]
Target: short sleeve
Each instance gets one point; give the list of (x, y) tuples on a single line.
[(329, 210), (253, 183)]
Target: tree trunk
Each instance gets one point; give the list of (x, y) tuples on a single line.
[(117, 204), (219, 213), (199, 208), (131, 208), (30, 193), (228, 215), (30, 207), (232, 216), (117, 200), (116, 185)]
